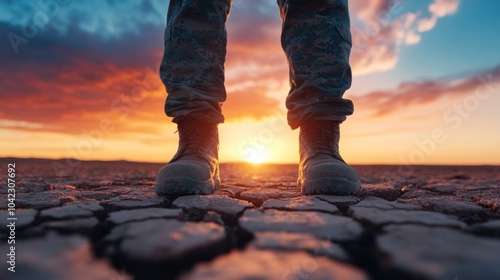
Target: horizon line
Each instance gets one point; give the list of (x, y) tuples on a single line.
[(3, 158)]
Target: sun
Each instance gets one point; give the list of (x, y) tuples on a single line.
[(257, 156)]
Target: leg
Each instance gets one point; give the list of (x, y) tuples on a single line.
[(193, 73), (317, 42), (192, 68)]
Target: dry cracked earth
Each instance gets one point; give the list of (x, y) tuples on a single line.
[(102, 220)]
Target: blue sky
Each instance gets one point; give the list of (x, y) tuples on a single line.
[(466, 41)]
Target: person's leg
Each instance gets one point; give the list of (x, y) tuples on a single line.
[(193, 73), (192, 68), (317, 42), (316, 39)]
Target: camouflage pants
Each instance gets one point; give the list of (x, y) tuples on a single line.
[(316, 39)]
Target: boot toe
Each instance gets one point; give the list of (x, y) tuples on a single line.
[(329, 177), (186, 177)]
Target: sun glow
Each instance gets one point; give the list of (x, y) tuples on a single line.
[(256, 155)]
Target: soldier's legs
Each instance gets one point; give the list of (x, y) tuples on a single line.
[(192, 68), (316, 39)]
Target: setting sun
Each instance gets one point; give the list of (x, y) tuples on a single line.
[(257, 155)]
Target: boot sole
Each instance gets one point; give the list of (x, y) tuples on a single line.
[(329, 186), (186, 186)]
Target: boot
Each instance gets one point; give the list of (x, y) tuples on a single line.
[(322, 170), (194, 169)]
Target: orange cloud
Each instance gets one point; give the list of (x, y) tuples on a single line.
[(413, 95), (251, 103)]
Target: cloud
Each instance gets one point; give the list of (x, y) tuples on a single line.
[(102, 18), (427, 24), (366, 9), (251, 103), (381, 27), (416, 95), (67, 82), (20, 124), (256, 66), (438, 9), (412, 38), (441, 8)]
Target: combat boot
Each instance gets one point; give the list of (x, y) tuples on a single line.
[(194, 169), (322, 170)]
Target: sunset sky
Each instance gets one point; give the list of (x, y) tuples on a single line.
[(80, 79)]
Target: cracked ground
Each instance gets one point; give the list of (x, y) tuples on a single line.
[(102, 220)]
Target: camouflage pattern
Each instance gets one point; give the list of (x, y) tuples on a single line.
[(316, 39), (193, 62)]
